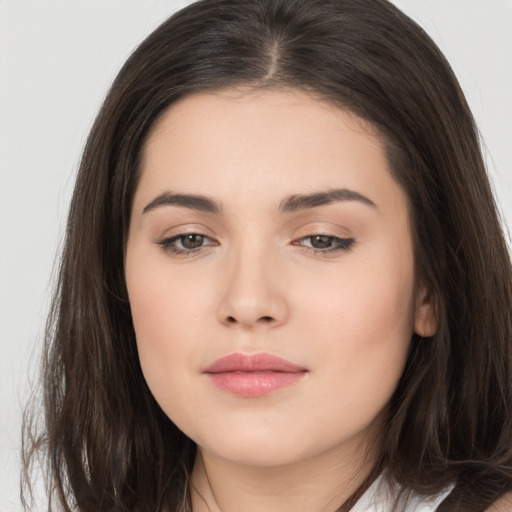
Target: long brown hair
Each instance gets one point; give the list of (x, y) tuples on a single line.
[(106, 444)]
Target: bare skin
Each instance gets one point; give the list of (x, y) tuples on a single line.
[(269, 223), (504, 504), (274, 489)]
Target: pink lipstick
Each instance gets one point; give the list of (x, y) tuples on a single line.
[(253, 375)]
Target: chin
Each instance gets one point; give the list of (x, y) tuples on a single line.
[(258, 449)]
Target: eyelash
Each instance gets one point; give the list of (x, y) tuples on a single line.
[(340, 244), (168, 244)]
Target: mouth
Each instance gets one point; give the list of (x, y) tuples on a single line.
[(253, 375)]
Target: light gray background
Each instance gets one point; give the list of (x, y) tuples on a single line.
[(57, 59)]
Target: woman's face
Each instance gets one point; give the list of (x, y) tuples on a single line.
[(271, 278)]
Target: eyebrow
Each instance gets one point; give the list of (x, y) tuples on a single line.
[(306, 201), (290, 204), (192, 201)]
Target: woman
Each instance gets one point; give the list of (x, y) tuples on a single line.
[(284, 285)]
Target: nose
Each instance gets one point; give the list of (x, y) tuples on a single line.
[(253, 293)]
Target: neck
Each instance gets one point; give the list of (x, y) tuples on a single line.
[(318, 484)]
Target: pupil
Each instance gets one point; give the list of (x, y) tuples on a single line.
[(321, 242), (192, 241)]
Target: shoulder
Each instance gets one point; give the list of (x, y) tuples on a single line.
[(504, 504), (383, 496)]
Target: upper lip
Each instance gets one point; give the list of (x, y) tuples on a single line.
[(261, 362)]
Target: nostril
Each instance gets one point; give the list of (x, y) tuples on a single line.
[(264, 319)]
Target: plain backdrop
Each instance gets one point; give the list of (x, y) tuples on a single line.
[(57, 59)]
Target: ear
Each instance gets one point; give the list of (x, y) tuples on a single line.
[(425, 316)]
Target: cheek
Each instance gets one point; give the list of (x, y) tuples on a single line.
[(162, 297), (352, 324), (372, 293), (164, 313), (364, 323)]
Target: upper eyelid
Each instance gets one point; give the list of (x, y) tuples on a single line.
[(177, 231), (322, 232), (341, 244), (303, 232), (172, 238), (307, 234), (170, 244), (344, 239), (323, 227)]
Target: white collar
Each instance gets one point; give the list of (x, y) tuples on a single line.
[(380, 497)]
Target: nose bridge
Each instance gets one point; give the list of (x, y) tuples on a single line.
[(253, 292)]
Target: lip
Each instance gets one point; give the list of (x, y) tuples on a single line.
[(253, 375)]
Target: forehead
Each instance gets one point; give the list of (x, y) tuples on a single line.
[(263, 143), (278, 110)]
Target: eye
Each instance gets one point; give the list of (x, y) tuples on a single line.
[(186, 243), (325, 243)]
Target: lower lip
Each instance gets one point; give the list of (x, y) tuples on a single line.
[(254, 384)]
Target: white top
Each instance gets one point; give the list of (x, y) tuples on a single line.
[(380, 498)]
